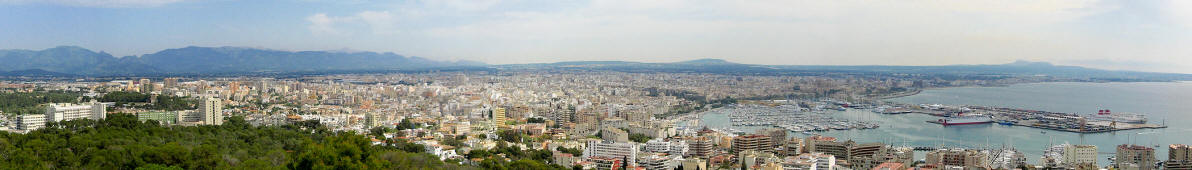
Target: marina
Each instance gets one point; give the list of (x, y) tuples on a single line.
[(790, 117), (912, 129)]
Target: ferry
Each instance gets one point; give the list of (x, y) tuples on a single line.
[(1106, 115)]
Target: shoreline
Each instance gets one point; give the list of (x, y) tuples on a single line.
[(1065, 122)]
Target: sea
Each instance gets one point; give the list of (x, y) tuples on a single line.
[(1167, 103)]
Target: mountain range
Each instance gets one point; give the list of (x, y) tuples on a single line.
[(1015, 69), (207, 60), (66, 61)]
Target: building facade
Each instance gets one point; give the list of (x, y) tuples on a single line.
[(700, 147), (31, 122), (1076, 155), (498, 118), (1179, 156), (614, 134), (961, 158), (618, 150), (66, 111), (752, 142), (1135, 156), (211, 110), (164, 118)]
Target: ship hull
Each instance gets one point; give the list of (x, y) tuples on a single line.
[(965, 123)]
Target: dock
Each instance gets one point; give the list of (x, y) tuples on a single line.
[(1056, 121)]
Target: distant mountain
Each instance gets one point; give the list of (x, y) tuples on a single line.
[(68, 59), (1018, 68), (693, 66), (207, 60), (707, 61), (235, 59), (35, 73)]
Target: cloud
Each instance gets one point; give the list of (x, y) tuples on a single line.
[(843, 32), (1179, 12), (99, 3), (764, 31), (379, 22), (465, 5), (321, 24)]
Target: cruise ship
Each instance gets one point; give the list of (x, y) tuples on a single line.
[(961, 119)]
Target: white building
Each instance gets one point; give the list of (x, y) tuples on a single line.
[(211, 110), (657, 146), (672, 147), (810, 161), (31, 122), (678, 148), (658, 162), (66, 111), (1075, 155), (623, 150)]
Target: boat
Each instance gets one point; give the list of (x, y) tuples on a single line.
[(962, 119), (1007, 123)]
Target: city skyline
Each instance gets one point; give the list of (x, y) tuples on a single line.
[(1140, 36), (595, 84)]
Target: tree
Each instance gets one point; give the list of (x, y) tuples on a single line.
[(29, 102), (172, 103), (158, 167), (535, 120), (406, 124), (509, 136), (526, 164), (121, 97), (452, 141), (639, 138), (378, 132), (478, 154), (541, 155), (122, 142), (573, 151)]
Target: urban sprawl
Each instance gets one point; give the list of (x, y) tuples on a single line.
[(590, 120)]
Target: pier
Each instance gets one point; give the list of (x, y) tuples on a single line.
[(1046, 120)]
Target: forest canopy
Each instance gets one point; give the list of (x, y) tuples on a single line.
[(122, 142)]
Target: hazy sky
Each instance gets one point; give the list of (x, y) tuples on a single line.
[(1131, 35)]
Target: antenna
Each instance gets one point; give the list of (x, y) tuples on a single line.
[(1081, 138)]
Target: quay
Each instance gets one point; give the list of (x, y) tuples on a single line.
[(1056, 121)]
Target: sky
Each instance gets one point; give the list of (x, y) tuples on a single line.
[(1118, 35)]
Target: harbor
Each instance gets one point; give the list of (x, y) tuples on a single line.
[(906, 124), (1101, 122), (790, 117)]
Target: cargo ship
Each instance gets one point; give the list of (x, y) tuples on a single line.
[(962, 119)]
